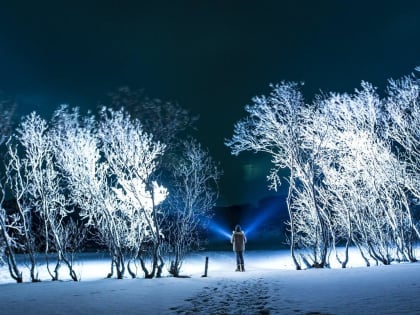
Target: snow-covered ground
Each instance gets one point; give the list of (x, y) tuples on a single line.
[(270, 285)]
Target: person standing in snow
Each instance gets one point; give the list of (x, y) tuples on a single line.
[(238, 240)]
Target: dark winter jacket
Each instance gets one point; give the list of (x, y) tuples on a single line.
[(238, 240)]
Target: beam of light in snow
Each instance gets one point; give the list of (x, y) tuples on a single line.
[(220, 230), (251, 224)]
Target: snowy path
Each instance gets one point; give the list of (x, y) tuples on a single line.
[(376, 290), (229, 297)]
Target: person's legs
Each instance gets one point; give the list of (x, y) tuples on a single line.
[(238, 261), (241, 261), (240, 258)]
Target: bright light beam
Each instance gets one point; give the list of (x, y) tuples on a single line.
[(215, 227), (261, 218)]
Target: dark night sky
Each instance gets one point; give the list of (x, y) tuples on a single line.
[(209, 56)]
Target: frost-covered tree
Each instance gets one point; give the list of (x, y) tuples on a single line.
[(403, 112), (353, 171), (46, 193), (17, 180), (86, 176), (311, 214), (108, 168), (169, 123), (43, 192), (366, 179), (9, 226), (273, 127), (402, 108), (193, 194), (132, 156), (8, 222)]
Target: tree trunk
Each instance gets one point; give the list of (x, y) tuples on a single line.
[(147, 275), (292, 231), (130, 271), (13, 268), (14, 271), (111, 272)]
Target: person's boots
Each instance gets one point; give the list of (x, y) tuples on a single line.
[(238, 268), (242, 267)]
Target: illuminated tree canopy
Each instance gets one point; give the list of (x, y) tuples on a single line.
[(354, 167), (104, 176)]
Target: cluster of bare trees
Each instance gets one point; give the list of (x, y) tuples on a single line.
[(109, 175), (353, 163)]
